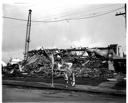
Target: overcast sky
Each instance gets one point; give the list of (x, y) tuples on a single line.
[(89, 32)]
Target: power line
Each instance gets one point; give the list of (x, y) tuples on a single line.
[(78, 13), (67, 19), (95, 15), (14, 18)]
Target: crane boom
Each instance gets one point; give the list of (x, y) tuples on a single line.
[(27, 41)]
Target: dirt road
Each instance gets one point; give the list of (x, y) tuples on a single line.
[(20, 94)]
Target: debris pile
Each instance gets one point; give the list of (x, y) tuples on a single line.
[(95, 68), (39, 63)]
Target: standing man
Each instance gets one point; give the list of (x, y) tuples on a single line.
[(66, 68)]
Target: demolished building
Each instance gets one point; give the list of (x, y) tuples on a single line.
[(87, 62)]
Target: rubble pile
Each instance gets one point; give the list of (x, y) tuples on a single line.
[(95, 68), (11, 70), (39, 64)]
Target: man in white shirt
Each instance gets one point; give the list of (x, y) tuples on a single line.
[(66, 68)]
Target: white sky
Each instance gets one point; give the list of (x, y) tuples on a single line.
[(93, 32)]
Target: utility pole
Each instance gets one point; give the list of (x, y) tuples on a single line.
[(27, 41), (124, 14)]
